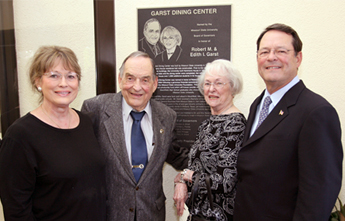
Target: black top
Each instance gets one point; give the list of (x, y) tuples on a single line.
[(215, 152), (48, 173), (162, 58)]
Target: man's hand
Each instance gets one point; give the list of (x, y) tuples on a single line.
[(180, 196)]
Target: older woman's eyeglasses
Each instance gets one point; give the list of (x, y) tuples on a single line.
[(279, 52), (217, 85), (56, 76)]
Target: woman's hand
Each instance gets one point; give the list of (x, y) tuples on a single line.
[(180, 196)]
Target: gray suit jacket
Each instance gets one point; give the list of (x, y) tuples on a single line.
[(125, 196)]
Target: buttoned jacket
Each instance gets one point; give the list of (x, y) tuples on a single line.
[(146, 47)]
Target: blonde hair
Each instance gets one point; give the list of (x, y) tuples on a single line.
[(45, 58)]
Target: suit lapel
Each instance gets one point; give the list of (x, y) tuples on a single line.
[(279, 112), (158, 139), (251, 116), (114, 129)]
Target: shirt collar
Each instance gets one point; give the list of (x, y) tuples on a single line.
[(126, 110), (276, 96)]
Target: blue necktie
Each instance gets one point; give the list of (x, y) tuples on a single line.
[(264, 110), (138, 144)]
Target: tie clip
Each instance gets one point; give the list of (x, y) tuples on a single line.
[(141, 166)]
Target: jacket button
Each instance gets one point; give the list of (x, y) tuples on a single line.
[(131, 209), (137, 188)]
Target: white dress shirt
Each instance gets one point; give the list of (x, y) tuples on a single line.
[(146, 127), (275, 97)]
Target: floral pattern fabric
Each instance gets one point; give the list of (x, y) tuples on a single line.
[(214, 152)]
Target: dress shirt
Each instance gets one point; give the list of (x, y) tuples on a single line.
[(146, 127), (275, 97)]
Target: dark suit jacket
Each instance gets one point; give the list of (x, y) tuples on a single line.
[(145, 46), (125, 196), (291, 167)]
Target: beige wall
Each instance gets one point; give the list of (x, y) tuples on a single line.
[(70, 23), (65, 23)]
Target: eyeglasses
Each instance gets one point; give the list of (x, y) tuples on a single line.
[(217, 85), (280, 52), (165, 38), (56, 76)]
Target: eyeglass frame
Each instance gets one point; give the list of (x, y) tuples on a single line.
[(217, 84), (51, 74), (279, 52)]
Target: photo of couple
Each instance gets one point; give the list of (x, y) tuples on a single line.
[(162, 46)]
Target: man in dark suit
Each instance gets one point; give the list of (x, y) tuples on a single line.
[(150, 43), (290, 165), (131, 197)]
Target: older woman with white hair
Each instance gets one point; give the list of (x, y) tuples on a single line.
[(218, 141)]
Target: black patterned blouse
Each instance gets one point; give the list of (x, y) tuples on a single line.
[(215, 151)]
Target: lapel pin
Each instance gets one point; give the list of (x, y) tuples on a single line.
[(281, 113), (161, 131)]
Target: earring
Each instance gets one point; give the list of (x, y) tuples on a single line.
[(39, 88)]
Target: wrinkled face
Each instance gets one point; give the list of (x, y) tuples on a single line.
[(217, 92), (278, 64), (138, 84), (152, 32), (59, 86), (169, 40)]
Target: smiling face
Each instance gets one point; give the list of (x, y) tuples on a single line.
[(278, 70), (138, 83), (169, 40), (219, 99), (58, 92), (152, 32)]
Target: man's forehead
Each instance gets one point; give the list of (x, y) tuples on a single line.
[(139, 62), (138, 75), (138, 66), (276, 37)]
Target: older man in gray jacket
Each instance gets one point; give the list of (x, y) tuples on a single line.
[(132, 196)]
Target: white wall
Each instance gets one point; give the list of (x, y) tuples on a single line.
[(320, 25)]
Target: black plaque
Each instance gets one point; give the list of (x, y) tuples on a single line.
[(201, 35)]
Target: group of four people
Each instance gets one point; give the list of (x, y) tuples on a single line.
[(284, 163)]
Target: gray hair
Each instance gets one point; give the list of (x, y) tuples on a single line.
[(135, 55), (150, 21), (224, 68)]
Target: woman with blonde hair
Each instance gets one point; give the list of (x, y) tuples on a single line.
[(51, 167), (171, 39)]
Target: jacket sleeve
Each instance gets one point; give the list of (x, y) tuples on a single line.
[(177, 155), (90, 109), (320, 156)]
